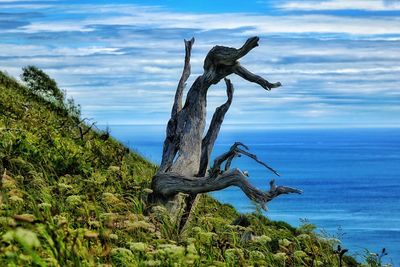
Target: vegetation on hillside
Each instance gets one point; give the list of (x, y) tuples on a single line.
[(71, 195)]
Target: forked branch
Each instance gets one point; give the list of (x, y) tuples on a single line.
[(235, 151), (214, 128), (170, 184)]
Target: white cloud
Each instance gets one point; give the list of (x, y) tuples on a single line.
[(86, 51), (130, 58), (260, 24), (325, 24), (371, 5), (26, 6), (53, 27)]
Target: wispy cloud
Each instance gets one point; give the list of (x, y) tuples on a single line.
[(370, 5), (333, 67), (255, 24), (157, 18)]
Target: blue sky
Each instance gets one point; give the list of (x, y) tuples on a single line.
[(339, 60)]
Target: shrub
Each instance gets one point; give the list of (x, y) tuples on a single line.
[(41, 84)]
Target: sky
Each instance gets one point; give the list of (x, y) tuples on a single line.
[(338, 60)]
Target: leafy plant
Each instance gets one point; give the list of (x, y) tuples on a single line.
[(40, 83)]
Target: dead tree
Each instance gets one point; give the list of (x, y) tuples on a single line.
[(186, 151)]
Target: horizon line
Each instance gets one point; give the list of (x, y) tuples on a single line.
[(275, 126)]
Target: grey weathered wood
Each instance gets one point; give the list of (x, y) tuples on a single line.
[(247, 75), (182, 82), (186, 151), (207, 147), (171, 183), (171, 140), (235, 151), (214, 128)]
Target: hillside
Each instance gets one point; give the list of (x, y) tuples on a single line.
[(73, 196)]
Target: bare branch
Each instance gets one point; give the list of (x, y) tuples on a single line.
[(235, 151), (182, 82), (214, 128), (83, 128), (87, 130), (253, 156), (280, 190), (230, 159), (170, 184), (171, 141), (227, 156), (251, 77)]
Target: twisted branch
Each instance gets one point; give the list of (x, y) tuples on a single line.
[(251, 77), (235, 151), (170, 184)]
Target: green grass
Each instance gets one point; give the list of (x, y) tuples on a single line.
[(68, 200)]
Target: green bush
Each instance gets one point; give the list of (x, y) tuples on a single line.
[(40, 83)]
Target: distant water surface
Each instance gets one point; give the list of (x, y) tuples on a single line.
[(350, 178)]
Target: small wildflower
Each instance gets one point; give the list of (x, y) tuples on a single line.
[(74, 200), (303, 236), (280, 256), (114, 169), (94, 223), (7, 221), (64, 187), (138, 246), (284, 242), (111, 199), (153, 263), (16, 199), (7, 181), (262, 239), (138, 224), (300, 254), (22, 235)]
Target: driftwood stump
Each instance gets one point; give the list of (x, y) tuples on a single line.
[(184, 173)]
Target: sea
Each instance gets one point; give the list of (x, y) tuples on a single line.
[(350, 178)]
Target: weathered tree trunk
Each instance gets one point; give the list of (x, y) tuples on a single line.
[(186, 154)]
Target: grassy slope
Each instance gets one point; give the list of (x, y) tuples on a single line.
[(65, 201)]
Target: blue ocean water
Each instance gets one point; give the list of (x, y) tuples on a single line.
[(350, 178)]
